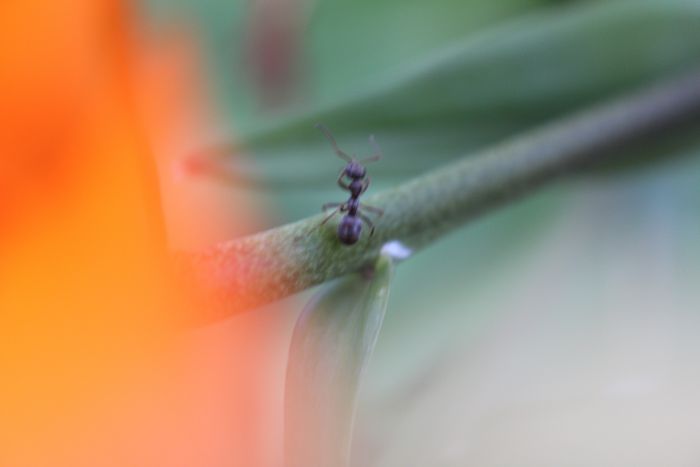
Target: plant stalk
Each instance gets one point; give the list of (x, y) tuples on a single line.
[(243, 273)]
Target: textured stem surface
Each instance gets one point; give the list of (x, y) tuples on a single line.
[(243, 273)]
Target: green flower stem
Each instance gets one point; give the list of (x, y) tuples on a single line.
[(246, 272)]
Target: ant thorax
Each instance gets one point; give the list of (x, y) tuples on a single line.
[(356, 187), (352, 205)]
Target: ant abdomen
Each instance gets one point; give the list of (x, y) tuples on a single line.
[(349, 230)]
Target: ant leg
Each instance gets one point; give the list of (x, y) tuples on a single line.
[(335, 211), (342, 184), (368, 222), (372, 209), (327, 206), (365, 184)]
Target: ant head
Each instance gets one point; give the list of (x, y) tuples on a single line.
[(355, 170)]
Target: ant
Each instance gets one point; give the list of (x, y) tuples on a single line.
[(350, 226)]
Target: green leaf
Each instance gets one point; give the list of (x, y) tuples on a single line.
[(483, 88), (524, 71), (345, 45), (330, 349)]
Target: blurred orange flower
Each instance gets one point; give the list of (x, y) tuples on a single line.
[(89, 318)]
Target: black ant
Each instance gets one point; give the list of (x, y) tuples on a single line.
[(350, 226)]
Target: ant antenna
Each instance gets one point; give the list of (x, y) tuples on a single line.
[(327, 133), (376, 148)]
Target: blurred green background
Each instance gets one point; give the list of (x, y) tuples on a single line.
[(558, 331)]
